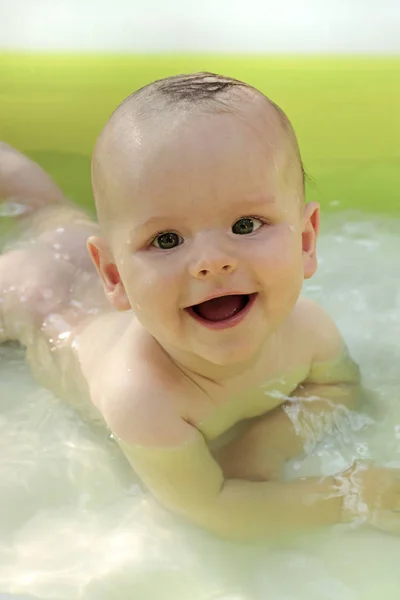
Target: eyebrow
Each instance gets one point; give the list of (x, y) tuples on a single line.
[(154, 222), (157, 221), (255, 202)]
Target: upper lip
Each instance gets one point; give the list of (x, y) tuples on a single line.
[(220, 294)]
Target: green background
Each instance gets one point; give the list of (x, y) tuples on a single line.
[(346, 112)]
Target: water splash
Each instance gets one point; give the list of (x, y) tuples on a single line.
[(74, 523)]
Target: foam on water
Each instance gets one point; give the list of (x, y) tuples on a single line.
[(74, 523)]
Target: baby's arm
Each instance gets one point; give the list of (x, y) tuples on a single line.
[(313, 411), (174, 462), (316, 408), (186, 479)]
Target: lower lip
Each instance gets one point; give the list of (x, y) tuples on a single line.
[(226, 323)]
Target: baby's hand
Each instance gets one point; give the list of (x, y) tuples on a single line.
[(372, 495)]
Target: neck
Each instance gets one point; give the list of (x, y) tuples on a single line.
[(195, 366)]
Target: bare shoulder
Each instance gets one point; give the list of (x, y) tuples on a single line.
[(318, 330), (330, 357), (141, 394)]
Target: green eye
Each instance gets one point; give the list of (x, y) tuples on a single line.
[(167, 240), (246, 225)]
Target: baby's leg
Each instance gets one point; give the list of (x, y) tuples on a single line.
[(41, 266), (23, 183)]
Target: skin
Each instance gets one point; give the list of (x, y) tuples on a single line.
[(207, 417), (220, 160)]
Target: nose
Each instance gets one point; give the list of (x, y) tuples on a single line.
[(213, 263)]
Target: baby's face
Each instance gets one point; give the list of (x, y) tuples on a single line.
[(212, 239)]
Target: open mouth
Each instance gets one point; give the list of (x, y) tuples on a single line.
[(222, 311)]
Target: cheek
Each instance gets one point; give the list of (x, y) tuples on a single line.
[(151, 288), (279, 259)]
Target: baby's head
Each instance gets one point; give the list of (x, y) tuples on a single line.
[(199, 190)]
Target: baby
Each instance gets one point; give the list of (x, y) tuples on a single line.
[(200, 356)]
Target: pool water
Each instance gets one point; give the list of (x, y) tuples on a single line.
[(75, 524)]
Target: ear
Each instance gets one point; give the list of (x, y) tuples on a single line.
[(309, 238), (109, 274)]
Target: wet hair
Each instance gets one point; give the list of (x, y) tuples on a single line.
[(203, 91), (193, 88), (207, 90)]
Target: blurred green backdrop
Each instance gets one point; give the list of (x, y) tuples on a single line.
[(346, 112)]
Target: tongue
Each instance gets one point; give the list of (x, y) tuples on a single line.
[(219, 309)]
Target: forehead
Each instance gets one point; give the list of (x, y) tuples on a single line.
[(185, 157)]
